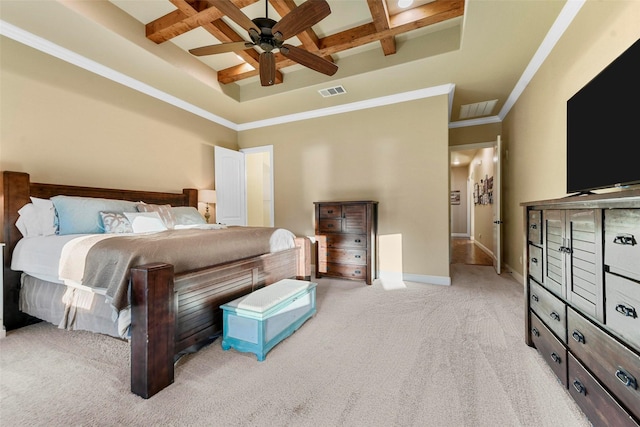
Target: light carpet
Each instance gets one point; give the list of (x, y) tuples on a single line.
[(420, 355)]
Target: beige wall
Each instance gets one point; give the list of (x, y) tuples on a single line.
[(397, 155), (65, 125), (534, 132)]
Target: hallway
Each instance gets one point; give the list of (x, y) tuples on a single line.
[(464, 251)]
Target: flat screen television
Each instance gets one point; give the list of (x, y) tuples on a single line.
[(603, 127)]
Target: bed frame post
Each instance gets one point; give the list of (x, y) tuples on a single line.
[(153, 328)]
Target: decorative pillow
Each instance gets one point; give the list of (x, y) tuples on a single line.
[(145, 222), (187, 215), (81, 215), (163, 210), (115, 222)]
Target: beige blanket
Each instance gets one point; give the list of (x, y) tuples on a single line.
[(103, 263)]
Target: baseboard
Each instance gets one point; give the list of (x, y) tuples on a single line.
[(419, 278), (484, 249), (517, 276)]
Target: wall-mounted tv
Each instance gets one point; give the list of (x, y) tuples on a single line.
[(603, 127)]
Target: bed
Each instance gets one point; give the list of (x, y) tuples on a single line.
[(172, 306)]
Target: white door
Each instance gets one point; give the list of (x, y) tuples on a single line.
[(497, 209), (231, 205)]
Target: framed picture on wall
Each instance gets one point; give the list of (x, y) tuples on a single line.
[(476, 194), (455, 197)]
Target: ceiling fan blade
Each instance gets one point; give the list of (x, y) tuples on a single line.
[(309, 59), (234, 13), (267, 68), (220, 48), (301, 18)]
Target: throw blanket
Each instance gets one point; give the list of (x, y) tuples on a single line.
[(102, 262)]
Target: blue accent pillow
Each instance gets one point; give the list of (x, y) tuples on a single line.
[(81, 215)]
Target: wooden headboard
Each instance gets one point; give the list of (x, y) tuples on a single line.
[(16, 190)]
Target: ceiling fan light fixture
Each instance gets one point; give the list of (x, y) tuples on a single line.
[(403, 4)]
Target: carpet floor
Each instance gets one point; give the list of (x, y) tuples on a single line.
[(380, 355)]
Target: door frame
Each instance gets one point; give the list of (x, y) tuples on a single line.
[(265, 149)]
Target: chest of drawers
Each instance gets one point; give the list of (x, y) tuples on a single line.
[(583, 299), (346, 240)]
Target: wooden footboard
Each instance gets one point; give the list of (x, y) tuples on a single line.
[(170, 312), (187, 307)]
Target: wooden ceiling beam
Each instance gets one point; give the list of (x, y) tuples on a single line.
[(380, 16), (178, 22)]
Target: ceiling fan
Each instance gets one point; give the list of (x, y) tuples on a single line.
[(269, 35)]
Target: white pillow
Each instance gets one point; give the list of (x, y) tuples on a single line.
[(46, 215), (37, 218), (145, 222)]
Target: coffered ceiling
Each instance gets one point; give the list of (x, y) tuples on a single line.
[(476, 50)]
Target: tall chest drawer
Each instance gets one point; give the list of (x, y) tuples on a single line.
[(552, 350), (597, 404), (622, 241), (615, 365), (623, 308), (535, 262), (343, 241), (549, 309)]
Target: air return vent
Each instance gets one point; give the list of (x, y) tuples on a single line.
[(332, 91), (478, 109)]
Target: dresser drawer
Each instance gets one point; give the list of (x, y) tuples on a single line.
[(347, 256), (344, 241), (330, 211), (347, 271), (552, 350), (550, 309), (330, 226), (623, 308), (535, 262), (622, 241), (616, 366), (597, 404), (535, 227)]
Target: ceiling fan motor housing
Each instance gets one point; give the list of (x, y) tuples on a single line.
[(265, 39)]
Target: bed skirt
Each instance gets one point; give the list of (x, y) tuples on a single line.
[(71, 308)]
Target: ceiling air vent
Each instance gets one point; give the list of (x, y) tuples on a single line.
[(478, 109), (332, 91)]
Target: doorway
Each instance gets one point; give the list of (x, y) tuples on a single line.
[(474, 194)]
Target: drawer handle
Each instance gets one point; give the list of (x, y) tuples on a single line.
[(533, 226), (556, 358), (627, 311), (579, 387), (358, 240), (329, 225), (626, 378), (358, 256), (535, 297), (535, 332), (534, 260), (331, 211), (578, 336), (625, 239), (357, 272), (564, 249), (555, 316)]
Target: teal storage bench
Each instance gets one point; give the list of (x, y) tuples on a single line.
[(258, 321)]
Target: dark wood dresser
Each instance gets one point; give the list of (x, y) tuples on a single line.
[(583, 299), (347, 240)]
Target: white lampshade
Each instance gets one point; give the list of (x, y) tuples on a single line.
[(207, 196)]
